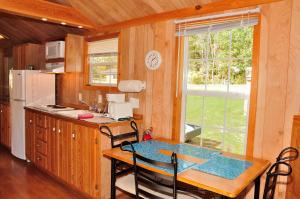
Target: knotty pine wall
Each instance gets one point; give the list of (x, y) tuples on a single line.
[(279, 84), (278, 88), (156, 103)]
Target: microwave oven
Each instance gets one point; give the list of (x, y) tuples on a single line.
[(55, 49)]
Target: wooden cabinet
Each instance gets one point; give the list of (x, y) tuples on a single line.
[(30, 126), (84, 156), (294, 180), (74, 53), (5, 134), (66, 150), (28, 54)]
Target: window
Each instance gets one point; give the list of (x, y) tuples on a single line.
[(103, 56), (217, 84)]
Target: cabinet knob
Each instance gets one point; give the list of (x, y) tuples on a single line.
[(59, 131), (30, 121), (38, 158), (73, 136), (53, 129), (1, 111)]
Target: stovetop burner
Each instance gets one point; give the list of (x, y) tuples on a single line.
[(56, 106)]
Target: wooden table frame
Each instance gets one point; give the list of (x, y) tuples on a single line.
[(225, 187)]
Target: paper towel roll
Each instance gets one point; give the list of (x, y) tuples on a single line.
[(131, 86)]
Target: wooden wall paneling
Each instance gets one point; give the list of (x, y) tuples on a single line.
[(273, 77), (293, 84), (163, 89), (294, 180)]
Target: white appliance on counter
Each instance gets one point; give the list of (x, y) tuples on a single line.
[(27, 88), (117, 107)]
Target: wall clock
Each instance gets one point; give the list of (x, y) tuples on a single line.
[(153, 60)]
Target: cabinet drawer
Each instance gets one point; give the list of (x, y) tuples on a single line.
[(41, 134), (40, 160), (41, 120), (41, 147)]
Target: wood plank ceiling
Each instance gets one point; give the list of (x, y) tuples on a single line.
[(101, 12), (106, 12)]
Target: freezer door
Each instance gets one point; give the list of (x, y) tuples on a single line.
[(18, 129), (17, 84), (40, 88)]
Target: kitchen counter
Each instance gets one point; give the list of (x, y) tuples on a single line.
[(94, 122)]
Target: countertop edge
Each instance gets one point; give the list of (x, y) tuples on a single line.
[(82, 122)]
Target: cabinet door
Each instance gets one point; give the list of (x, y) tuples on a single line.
[(1, 124), (5, 135), (30, 135), (52, 144), (74, 53), (83, 155), (64, 144)]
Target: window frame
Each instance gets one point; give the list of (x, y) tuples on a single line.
[(87, 85), (177, 111)]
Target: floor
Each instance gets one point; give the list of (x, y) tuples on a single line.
[(19, 180)]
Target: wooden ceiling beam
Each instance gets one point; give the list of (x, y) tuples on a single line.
[(39, 9), (198, 10)]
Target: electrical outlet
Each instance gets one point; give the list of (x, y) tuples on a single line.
[(80, 97)]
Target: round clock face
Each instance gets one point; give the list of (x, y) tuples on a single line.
[(153, 60)]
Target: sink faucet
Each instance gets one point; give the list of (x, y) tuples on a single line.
[(92, 107)]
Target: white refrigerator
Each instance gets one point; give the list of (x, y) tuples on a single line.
[(27, 87)]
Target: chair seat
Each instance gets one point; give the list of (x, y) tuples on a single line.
[(127, 183)]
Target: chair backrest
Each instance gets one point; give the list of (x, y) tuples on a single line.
[(157, 183), (288, 154), (117, 139), (272, 176)]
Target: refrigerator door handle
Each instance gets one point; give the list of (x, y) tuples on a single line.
[(19, 100)]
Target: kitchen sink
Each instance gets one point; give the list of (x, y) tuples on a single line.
[(75, 113)]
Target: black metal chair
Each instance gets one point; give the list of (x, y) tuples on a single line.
[(288, 154), (119, 168), (150, 184), (272, 176)]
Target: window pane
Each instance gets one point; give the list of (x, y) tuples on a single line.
[(234, 142), (218, 88), (194, 106), (237, 112), (214, 111), (103, 62)]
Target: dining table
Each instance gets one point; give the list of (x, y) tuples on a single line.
[(223, 173)]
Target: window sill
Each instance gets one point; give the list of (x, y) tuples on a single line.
[(101, 88)]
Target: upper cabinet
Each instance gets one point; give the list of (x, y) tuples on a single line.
[(26, 55), (74, 58)]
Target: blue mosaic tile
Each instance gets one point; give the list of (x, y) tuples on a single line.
[(150, 149), (194, 151), (224, 167), (216, 164)]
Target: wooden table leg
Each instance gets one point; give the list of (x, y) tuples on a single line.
[(257, 187), (113, 179)]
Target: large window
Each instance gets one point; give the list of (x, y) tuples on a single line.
[(217, 83), (103, 62)]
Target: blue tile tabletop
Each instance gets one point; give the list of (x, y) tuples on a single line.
[(216, 164), (224, 167)]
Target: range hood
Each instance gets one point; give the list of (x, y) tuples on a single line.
[(55, 67)]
